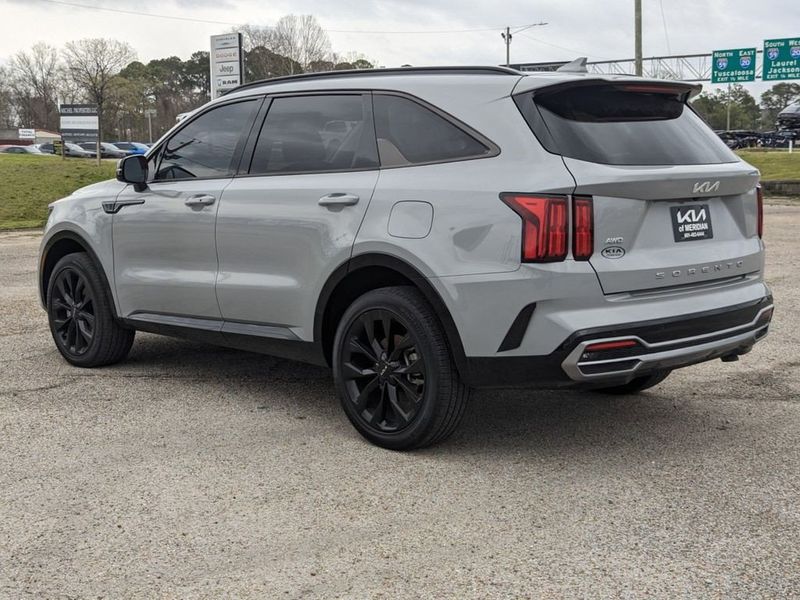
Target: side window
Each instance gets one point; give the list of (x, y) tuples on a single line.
[(206, 147), (408, 133), (304, 134)]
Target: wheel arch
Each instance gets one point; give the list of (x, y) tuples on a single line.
[(367, 272), (58, 246)]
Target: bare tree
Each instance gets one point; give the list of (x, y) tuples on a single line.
[(302, 39), (296, 43), (255, 36), (7, 112), (34, 81), (93, 63)]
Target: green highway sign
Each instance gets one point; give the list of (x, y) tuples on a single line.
[(731, 66), (781, 59)]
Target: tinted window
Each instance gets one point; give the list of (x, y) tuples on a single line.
[(618, 126), (409, 133), (316, 134), (206, 147)]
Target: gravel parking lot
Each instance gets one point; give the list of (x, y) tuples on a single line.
[(194, 471)]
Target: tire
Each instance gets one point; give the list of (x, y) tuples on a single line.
[(637, 385), (81, 316), (401, 391)]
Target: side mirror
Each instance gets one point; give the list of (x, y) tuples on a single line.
[(133, 169)]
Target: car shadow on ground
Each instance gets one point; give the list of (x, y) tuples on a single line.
[(496, 420)]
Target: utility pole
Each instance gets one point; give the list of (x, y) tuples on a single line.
[(508, 34), (637, 10), (507, 37)]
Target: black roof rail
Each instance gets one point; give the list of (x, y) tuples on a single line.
[(457, 70)]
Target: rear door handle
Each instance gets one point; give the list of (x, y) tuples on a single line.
[(338, 199), (200, 200)]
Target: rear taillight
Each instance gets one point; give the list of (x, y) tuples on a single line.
[(582, 227), (760, 202), (544, 225)]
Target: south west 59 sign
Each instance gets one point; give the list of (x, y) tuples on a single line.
[(781, 59)]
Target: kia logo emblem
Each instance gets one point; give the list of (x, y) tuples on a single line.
[(613, 252), (705, 187)]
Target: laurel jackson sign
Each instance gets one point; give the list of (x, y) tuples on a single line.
[(781, 59)]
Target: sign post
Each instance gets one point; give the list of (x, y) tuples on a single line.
[(80, 123), (781, 59), (227, 66), (150, 113)]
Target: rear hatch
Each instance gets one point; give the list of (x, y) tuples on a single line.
[(673, 206)]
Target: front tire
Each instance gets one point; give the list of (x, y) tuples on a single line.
[(393, 371), (81, 317)]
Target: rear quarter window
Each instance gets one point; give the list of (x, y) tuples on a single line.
[(410, 134), (622, 125)]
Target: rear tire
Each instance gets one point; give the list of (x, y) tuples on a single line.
[(394, 373), (81, 315), (637, 385)]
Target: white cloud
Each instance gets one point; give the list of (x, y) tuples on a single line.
[(597, 28)]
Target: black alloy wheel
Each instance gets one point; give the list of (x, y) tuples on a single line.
[(394, 373), (383, 371), (80, 311), (73, 315)]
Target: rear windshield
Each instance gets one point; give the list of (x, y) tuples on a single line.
[(622, 125)]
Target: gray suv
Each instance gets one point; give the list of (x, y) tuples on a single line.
[(424, 232)]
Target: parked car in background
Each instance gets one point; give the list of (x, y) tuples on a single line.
[(106, 150), (132, 147), (21, 150), (738, 138), (779, 139), (70, 149)]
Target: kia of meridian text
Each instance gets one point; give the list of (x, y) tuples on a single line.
[(424, 232)]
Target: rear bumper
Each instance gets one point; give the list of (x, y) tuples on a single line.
[(659, 344)]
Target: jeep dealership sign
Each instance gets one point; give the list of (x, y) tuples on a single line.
[(227, 67)]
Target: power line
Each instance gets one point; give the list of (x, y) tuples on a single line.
[(664, 21), (138, 14), (218, 22), (572, 50)]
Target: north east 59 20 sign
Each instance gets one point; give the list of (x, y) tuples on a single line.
[(781, 59), (732, 66)]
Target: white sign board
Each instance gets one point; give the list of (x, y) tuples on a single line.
[(26, 134), (69, 122), (79, 122), (226, 63)]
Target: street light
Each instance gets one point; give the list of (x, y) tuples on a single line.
[(508, 34)]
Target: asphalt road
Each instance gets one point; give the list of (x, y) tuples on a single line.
[(192, 471)]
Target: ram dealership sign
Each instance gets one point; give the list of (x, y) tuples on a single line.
[(227, 66)]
